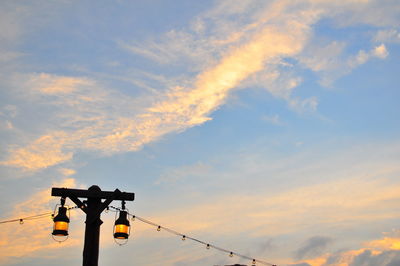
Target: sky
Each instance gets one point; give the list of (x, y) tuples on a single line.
[(269, 128)]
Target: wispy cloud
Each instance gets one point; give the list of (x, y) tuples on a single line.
[(387, 36), (175, 175), (42, 153), (182, 107), (231, 46), (273, 119), (330, 62)]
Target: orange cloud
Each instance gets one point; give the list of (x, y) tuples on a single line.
[(344, 258), (182, 107), (51, 84), (386, 243), (93, 118), (43, 152)]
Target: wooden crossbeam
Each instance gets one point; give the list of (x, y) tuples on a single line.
[(84, 193)]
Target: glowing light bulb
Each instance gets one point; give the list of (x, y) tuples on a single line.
[(133, 217), (21, 221), (159, 228), (122, 226), (208, 246), (254, 262), (61, 223), (231, 254), (183, 238)]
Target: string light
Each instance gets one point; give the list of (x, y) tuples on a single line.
[(133, 217), (159, 228), (207, 245), (23, 219), (34, 217)]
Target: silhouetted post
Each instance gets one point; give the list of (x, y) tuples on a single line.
[(92, 231), (93, 208)]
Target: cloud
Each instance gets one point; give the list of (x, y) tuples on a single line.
[(387, 36), (368, 258), (375, 252), (380, 51), (350, 202), (330, 62), (361, 12), (7, 56), (339, 195), (390, 241), (213, 85), (42, 153), (231, 46), (322, 57), (273, 119), (67, 171), (49, 84), (362, 57), (313, 247), (176, 48), (301, 105), (96, 127), (175, 175)]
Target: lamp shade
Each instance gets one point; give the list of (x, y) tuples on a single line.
[(122, 226), (61, 222)]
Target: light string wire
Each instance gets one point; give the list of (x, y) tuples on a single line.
[(33, 217), (185, 236), (159, 227)]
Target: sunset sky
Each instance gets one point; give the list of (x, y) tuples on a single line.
[(269, 128)]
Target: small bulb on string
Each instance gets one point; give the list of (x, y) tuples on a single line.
[(106, 210), (159, 228), (133, 217), (21, 221), (183, 238), (208, 246), (254, 262), (231, 254)]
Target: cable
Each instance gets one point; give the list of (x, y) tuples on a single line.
[(184, 236), (159, 227), (33, 217)]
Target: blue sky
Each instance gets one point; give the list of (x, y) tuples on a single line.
[(266, 127)]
